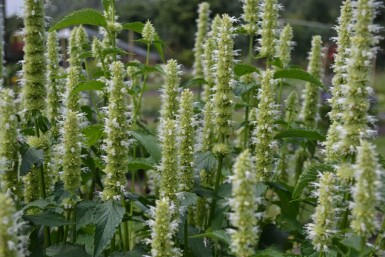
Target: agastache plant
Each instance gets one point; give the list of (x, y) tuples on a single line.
[(263, 134), (244, 204), (34, 78), (163, 229), (362, 52), (339, 81), (117, 130), (323, 227), (202, 25), (366, 192), (268, 27), (285, 45), (9, 144), (311, 94), (250, 16)]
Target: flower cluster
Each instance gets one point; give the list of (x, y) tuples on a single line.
[(322, 229), (268, 27), (285, 45), (309, 112), (202, 24), (117, 131), (263, 136), (250, 16), (244, 204), (148, 32)]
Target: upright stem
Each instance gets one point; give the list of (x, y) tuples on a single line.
[(216, 187), (247, 109)]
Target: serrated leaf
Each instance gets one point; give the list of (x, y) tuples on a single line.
[(206, 161), (301, 133), (243, 69), (41, 204), (89, 85), (93, 134), (308, 176), (113, 50), (241, 88), (150, 143), (49, 219), (187, 199), (29, 158), (66, 250), (84, 212), (85, 16), (196, 81), (198, 247), (140, 164), (107, 218), (294, 73), (134, 26), (220, 235)]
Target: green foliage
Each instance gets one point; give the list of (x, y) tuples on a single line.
[(85, 16)]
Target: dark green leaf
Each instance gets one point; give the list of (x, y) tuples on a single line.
[(31, 157), (66, 250), (269, 253), (294, 73), (134, 26), (89, 85), (220, 235), (187, 199), (150, 143), (205, 161), (84, 212), (107, 218), (134, 253), (301, 133), (93, 134), (41, 204), (196, 81), (241, 88), (243, 69), (141, 164), (308, 176), (49, 219), (85, 16), (113, 50), (198, 246)]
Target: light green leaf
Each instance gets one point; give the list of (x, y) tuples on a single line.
[(220, 235), (93, 134), (308, 176), (294, 73), (141, 164), (89, 85), (301, 133), (196, 81), (107, 218), (243, 69), (150, 143), (85, 16), (187, 199), (66, 250), (49, 219)]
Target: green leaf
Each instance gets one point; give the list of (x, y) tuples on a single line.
[(85, 16), (198, 246), (134, 26), (269, 253), (49, 219), (243, 69), (93, 134), (294, 73), (107, 218), (113, 50), (141, 164), (187, 199), (220, 235), (196, 81), (308, 176), (41, 204), (84, 212), (302, 133), (66, 250), (134, 253), (150, 143), (31, 157), (241, 88), (89, 85), (205, 161)]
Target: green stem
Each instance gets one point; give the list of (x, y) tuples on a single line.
[(130, 223), (378, 239), (280, 91), (216, 187), (186, 236), (74, 225), (66, 228), (126, 239)]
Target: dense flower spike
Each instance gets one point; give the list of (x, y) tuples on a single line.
[(163, 229), (186, 131), (72, 100), (53, 84), (263, 136), (117, 130), (9, 156), (34, 64), (209, 58), (244, 204), (31, 185), (285, 45), (168, 168), (207, 135), (148, 32), (269, 27), (291, 105), (320, 232), (81, 39), (170, 92), (71, 151), (356, 103), (2, 68), (366, 191), (202, 25), (250, 16), (309, 112), (339, 81), (223, 98), (12, 244)]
